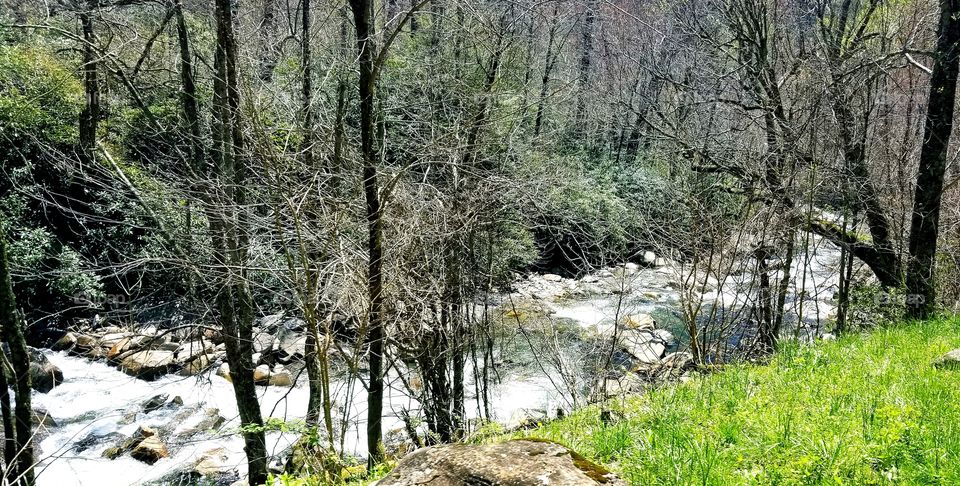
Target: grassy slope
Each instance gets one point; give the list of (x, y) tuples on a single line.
[(867, 409)]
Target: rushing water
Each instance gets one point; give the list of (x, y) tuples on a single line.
[(97, 404)]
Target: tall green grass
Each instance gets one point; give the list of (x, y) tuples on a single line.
[(866, 409)]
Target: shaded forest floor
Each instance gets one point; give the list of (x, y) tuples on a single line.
[(866, 409)]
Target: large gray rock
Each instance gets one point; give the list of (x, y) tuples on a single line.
[(645, 347), (513, 463), (291, 346), (44, 375), (65, 343), (148, 365), (150, 450), (951, 360), (190, 350)]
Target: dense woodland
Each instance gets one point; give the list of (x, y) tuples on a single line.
[(385, 170)]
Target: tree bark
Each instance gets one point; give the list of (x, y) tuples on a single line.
[(234, 301), (90, 115), (363, 23), (925, 222), (20, 471), (586, 63)]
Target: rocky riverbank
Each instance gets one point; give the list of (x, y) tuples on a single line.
[(156, 405)]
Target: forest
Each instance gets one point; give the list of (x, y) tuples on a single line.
[(456, 242)]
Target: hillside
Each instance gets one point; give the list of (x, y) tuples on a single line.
[(866, 409)]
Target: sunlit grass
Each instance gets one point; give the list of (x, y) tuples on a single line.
[(867, 409)]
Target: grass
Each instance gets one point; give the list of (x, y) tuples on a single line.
[(866, 409)]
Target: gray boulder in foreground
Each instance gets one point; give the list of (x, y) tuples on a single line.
[(522, 462), (951, 360)]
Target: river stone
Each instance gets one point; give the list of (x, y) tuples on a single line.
[(211, 420), (649, 257), (212, 463), (129, 343), (665, 336), (224, 372), (155, 402), (41, 417), (196, 365), (65, 343), (110, 340), (148, 365), (261, 374), (951, 360), (644, 347), (44, 375), (263, 342), (150, 450), (513, 463), (640, 322), (281, 378), (291, 346), (85, 342), (190, 350)]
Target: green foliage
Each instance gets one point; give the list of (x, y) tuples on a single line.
[(39, 100), (867, 409), (872, 306)]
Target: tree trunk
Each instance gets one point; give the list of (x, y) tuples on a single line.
[(550, 61), (306, 86), (90, 115), (363, 23), (268, 36), (234, 301), (925, 223), (188, 92), (586, 63), (20, 471)]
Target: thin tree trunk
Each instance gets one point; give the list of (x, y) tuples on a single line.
[(363, 23), (550, 62), (586, 63), (90, 115), (234, 301), (925, 223), (9, 432), (268, 36), (20, 472)]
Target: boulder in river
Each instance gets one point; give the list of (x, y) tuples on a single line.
[(649, 257), (261, 375), (212, 463), (224, 372), (640, 322), (155, 402), (280, 378), (196, 365), (84, 343), (44, 375), (516, 463), (645, 347), (291, 345), (149, 450), (65, 343), (149, 364), (190, 350)]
